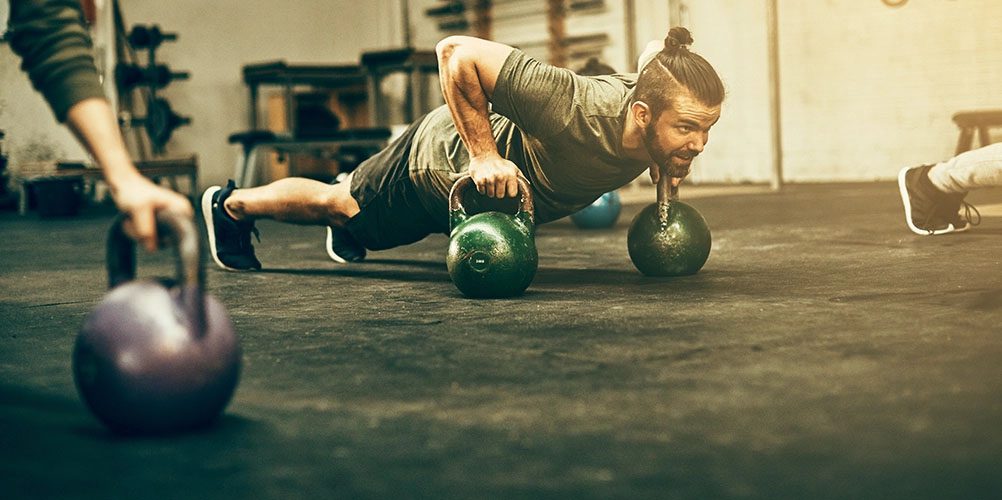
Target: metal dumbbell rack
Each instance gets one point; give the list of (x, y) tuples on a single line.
[(145, 114)]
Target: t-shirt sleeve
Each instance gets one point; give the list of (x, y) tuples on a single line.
[(56, 51), (537, 97)]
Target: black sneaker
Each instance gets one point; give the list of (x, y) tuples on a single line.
[(229, 239), (928, 210), (342, 247)]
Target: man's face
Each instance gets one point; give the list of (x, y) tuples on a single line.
[(679, 133)]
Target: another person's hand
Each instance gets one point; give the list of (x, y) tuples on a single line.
[(495, 176), (656, 175), (140, 199)]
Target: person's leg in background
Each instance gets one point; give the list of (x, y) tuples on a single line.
[(933, 195), (973, 169)]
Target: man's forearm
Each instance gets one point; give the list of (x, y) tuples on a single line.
[(93, 123)]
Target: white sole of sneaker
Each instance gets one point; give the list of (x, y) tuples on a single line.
[(330, 249), (210, 228), (906, 201)]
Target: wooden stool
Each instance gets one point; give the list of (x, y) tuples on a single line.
[(982, 121)]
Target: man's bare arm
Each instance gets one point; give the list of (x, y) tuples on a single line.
[(468, 71)]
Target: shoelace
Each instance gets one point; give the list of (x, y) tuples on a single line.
[(968, 209)]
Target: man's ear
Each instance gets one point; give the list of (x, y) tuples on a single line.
[(641, 113)]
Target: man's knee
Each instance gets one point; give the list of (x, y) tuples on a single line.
[(341, 205)]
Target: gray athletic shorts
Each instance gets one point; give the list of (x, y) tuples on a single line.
[(391, 210)]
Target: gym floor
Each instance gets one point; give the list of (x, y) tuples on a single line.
[(822, 352)]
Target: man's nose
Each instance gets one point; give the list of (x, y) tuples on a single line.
[(697, 144)]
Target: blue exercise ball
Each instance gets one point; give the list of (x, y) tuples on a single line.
[(602, 213)]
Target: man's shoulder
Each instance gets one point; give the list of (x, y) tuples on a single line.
[(604, 95)]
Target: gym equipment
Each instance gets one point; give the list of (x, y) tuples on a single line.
[(160, 121), (128, 76), (668, 238), (157, 356), (602, 213), (491, 254), (420, 92), (58, 196), (143, 37), (170, 170)]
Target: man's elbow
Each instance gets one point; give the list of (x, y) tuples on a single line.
[(455, 52), (447, 47)]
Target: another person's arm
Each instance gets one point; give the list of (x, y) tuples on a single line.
[(468, 70), (93, 122), (56, 51)]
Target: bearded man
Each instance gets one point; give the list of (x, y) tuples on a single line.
[(506, 115)]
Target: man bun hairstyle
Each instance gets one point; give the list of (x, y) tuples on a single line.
[(675, 68), (678, 38)]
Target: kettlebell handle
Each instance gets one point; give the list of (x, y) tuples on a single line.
[(182, 234), (177, 230), (667, 193), (525, 204)]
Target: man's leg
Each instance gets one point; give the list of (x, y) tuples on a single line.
[(294, 200), (376, 208), (933, 195), (230, 214)]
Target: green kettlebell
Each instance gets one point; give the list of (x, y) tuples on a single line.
[(491, 254), (668, 238)]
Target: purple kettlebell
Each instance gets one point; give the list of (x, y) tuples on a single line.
[(157, 356)]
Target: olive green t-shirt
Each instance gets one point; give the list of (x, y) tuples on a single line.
[(564, 131), (56, 50)]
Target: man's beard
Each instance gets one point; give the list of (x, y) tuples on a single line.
[(663, 158)]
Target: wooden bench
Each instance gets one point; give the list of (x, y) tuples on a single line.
[(156, 170)]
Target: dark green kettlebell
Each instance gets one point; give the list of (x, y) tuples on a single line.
[(491, 254), (668, 238)]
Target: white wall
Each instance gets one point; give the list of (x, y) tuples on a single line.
[(731, 35), (867, 89)]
